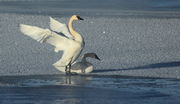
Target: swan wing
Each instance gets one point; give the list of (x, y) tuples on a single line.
[(60, 27), (44, 35), (69, 55), (64, 60)]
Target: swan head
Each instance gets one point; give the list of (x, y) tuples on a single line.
[(96, 57), (92, 55), (76, 17)]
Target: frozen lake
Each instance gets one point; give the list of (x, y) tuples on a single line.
[(59, 89), (132, 38)]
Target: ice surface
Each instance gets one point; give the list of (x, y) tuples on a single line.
[(127, 46)]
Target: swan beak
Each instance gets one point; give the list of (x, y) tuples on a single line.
[(79, 18), (97, 58)]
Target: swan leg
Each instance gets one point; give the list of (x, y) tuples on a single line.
[(68, 69), (82, 70)]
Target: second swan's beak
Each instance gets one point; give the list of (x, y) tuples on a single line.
[(79, 18), (97, 58)]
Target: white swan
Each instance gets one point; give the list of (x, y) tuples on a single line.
[(71, 43), (83, 66)]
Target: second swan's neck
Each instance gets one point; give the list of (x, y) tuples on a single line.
[(84, 59), (75, 34)]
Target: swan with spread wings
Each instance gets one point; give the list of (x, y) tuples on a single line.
[(71, 42)]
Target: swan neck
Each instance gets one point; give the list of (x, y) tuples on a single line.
[(75, 34), (84, 59)]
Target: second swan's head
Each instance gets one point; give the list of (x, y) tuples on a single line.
[(92, 55), (76, 17)]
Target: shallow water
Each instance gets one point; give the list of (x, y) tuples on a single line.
[(59, 89)]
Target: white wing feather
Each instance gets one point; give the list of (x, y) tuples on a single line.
[(34, 32), (61, 43), (59, 27), (44, 35)]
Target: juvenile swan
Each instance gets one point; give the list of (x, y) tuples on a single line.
[(71, 43), (83, 66)]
